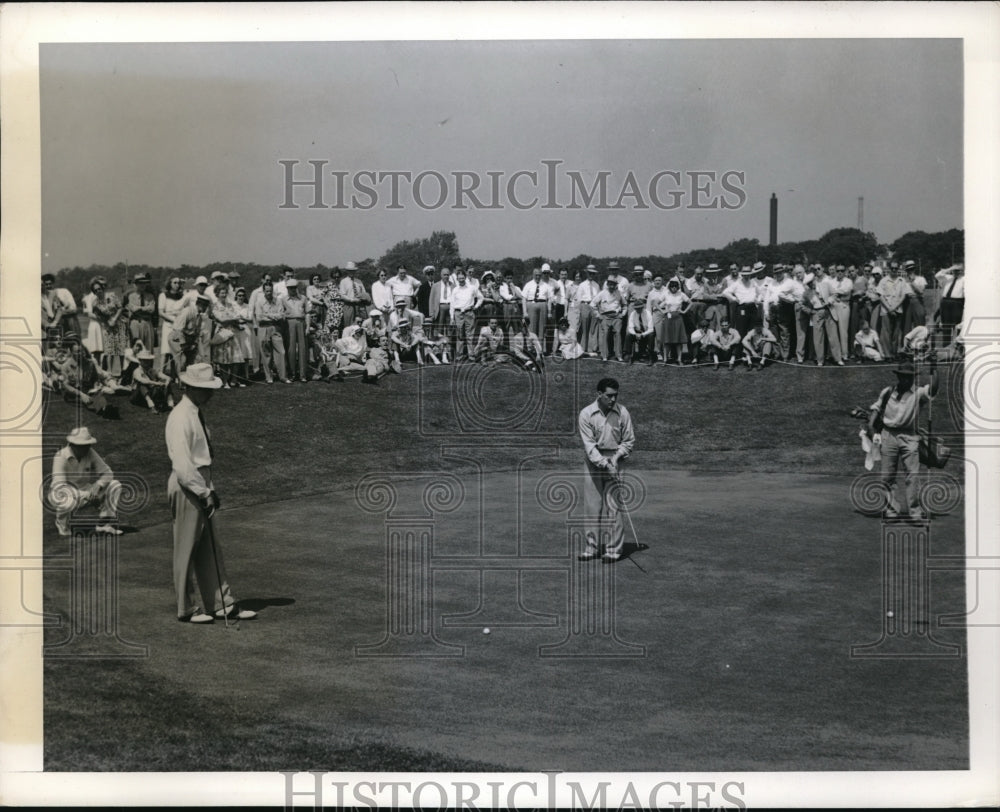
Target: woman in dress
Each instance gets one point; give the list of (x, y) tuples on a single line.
[(328, 331), (492, 303), (169, 304), (244, 336), (656, 304), (566, 344), (572, 305), (114, 328), (92, 303), (675, 304), (226, 350)]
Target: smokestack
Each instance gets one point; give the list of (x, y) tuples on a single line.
[(774, 219)]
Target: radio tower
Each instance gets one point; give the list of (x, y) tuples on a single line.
[(861, 214)]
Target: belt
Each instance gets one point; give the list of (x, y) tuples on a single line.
[(266, 323), (142, 316), (296, 318)]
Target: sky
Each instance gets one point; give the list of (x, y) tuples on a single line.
[(168, 154)]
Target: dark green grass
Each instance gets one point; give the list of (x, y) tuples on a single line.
[(758, 562)]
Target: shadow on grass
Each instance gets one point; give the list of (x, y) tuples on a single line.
[(256, 604)]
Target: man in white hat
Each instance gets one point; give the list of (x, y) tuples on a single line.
[(80, 478), (537, 302), (199, 570), (352, 291)]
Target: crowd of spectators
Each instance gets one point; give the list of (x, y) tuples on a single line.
[(292, 330)]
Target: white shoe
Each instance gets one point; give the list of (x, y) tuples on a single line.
[(108, 528), (242, 614), (196, 617)]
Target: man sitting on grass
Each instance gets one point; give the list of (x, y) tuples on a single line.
[(702, 343), (727, 344), (490, 341), (867, 345), (151, 387), (526, 348), (758, 345), (80, 378)]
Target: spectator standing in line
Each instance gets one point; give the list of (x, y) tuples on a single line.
[(609, 306), (537, 298)]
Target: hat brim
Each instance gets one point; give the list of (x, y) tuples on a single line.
[(71, 441), (215, 383)]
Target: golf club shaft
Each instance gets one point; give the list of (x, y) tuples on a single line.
[(218, 570)]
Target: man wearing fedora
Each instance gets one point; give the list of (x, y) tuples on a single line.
[(536, 299), (894, 416), (200, 579), (79, 478)]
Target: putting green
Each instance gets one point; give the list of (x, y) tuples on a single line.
[(743, 610)]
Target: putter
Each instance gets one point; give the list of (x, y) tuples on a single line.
[(621, 504), (218, 571)]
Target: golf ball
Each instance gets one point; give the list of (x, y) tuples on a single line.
[(889, 614), (486, 630)]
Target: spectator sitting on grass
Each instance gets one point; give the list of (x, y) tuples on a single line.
[(352, 347), (81, 379), (867, 345), (151, 387), (404, 343), (490, 341), (758, 345), (701, 348), (526, 348), (727, 344), (567, 346)]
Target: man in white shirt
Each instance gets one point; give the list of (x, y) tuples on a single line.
[(199, 570), (255, 295), (465, 301), (892, 296), (79, 478), (789, 291), (951, 307), (512, 307), (403, 286), (440, 306), (352, 292), (537, 299), (842, 289), (382, 296), (281, 286), (584, 295), (59, 312)]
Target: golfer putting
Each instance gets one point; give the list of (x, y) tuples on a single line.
[(606, 432), (198, 563)]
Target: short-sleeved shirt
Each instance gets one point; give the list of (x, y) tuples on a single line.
[(901, 410)]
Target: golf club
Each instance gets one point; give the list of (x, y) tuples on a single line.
[(624, 508), (218, 572)]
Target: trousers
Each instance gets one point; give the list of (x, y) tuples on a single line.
[(603, 523), (195, 573)]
